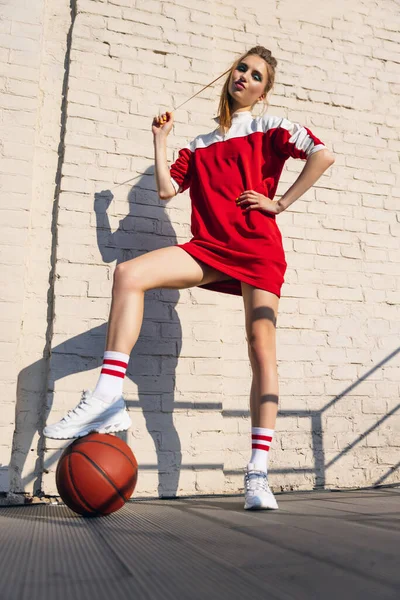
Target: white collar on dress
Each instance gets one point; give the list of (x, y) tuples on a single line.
[(243, 114)]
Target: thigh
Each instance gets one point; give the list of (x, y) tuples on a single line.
[(261, 311), (170, 267)]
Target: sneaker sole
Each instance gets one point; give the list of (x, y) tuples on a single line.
[(113, 427), (261, 507)]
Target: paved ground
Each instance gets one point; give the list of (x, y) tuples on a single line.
[(319, 545)]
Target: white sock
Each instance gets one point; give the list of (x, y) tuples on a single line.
[(111, 380), (261, 440)]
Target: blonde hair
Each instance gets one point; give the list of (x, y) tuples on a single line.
[(226, 100)]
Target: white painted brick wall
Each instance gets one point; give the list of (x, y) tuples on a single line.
[(32, 51), (339, 318)]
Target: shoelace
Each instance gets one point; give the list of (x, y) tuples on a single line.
[(81, 406), (255, 481)]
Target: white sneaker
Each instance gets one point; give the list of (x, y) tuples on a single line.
[(257, 491), (91, 414)]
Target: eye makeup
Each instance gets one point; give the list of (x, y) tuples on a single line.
[(246, 67)]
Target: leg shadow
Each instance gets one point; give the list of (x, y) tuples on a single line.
[(82, 353), (146, 227)]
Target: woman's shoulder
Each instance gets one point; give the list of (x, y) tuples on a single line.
[(204, 139), (267, 122)]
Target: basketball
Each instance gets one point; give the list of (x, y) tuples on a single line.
[(96, 474)]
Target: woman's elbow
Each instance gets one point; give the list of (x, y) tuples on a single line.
[(330, 158), (163, 196)]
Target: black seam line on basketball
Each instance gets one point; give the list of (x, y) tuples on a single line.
[(105, 444), (106, 476), (82, 499)]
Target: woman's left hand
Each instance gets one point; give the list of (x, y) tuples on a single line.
[(251, 200)]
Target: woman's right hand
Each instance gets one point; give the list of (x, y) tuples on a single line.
[(162, 124)]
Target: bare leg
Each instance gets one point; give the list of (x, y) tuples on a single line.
[(171, 268), (261, 309), (254, 404)]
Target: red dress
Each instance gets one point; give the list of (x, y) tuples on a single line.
[(218, 168)]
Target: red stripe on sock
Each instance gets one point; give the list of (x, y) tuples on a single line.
[(116, 363), (260, 447), (110, 372), (266, 438)]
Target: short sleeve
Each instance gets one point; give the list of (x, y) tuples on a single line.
[(181, 170), (295, 141)]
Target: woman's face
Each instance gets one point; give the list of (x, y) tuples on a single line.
[(248, 81)]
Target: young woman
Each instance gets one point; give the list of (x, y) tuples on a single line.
[(232, 173)]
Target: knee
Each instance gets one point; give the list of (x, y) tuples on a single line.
[(126, 277), (261, 348)]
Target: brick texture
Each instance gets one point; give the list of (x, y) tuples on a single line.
[(32, 52), (189, 379)]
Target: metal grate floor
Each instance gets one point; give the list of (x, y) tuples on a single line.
[(319, 545)]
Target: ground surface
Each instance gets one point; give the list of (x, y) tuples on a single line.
[(319, 545)]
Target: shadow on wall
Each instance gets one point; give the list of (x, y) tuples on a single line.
[(145, 228), (321, 465)]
